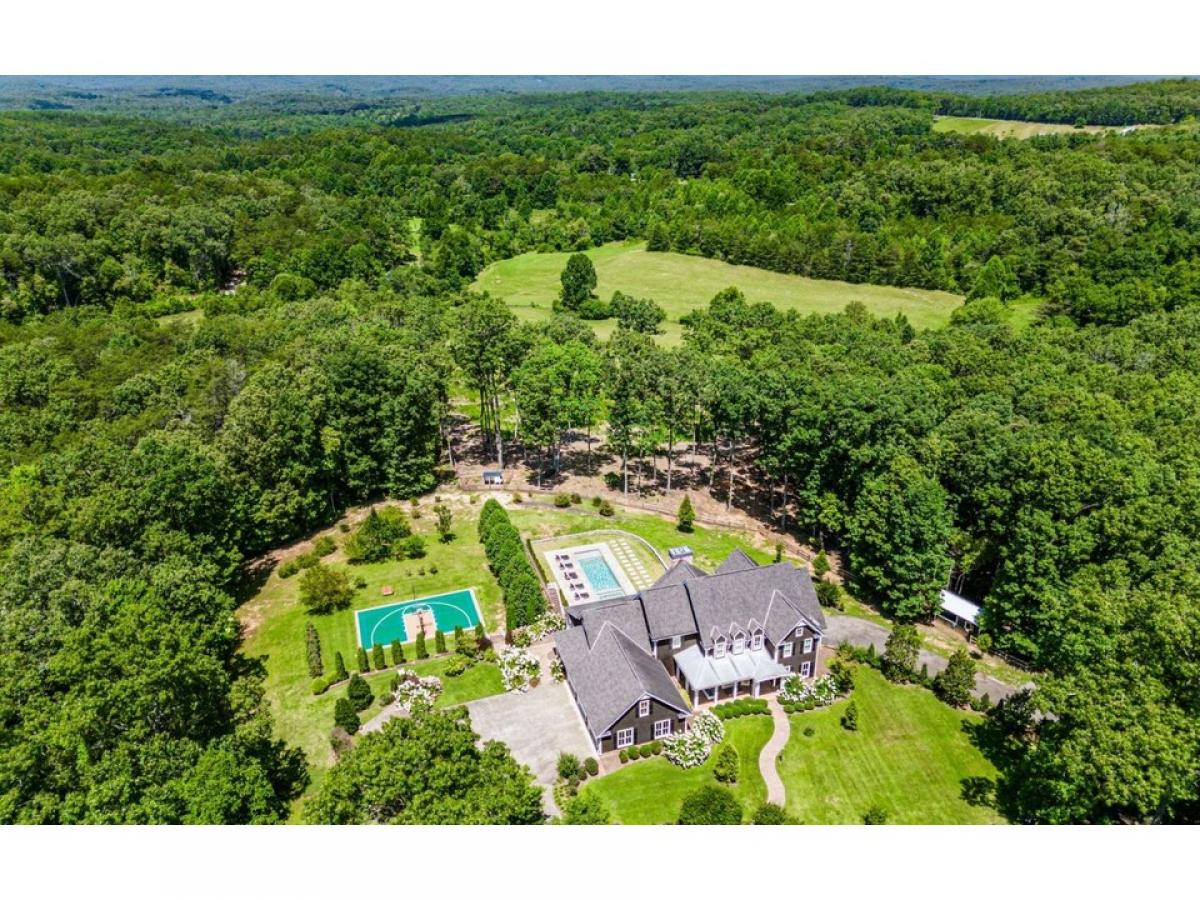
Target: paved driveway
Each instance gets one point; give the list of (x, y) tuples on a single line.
[(861, 633), (536, 726)]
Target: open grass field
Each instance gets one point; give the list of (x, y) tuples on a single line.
[(909, 755), (651, 791), (1007, 128), (529, 283)]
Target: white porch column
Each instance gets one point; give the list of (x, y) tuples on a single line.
[(735, 689), (695, 697), (756, 689)]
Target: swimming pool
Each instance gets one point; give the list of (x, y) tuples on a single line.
[(600, 575)]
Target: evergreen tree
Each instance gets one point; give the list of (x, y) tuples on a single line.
[(578, 282), (901, 652), (344, 715), (377, 658), (359, 693), (313, 649), (419, 650), (820, 566), (725, 769), (339, 666), (956, 682), (850, 717), (687, 516), (711, 805), (363, 664), (439, 641), (397, 653)]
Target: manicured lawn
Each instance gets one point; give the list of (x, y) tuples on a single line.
[(710, 547), (275, 623), (909, 755), (680, 283), (650, 791)]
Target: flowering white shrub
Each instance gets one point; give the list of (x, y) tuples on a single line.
[(413, 691), (794, 689), (518, 668), (708, 726), (539, 630), (686, 749)]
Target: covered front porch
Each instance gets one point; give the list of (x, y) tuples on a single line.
[(714, 678)]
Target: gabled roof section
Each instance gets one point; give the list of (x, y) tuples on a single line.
[(679, 573), (778, 595), (625, 613), (668, 610), (737, 561), (613, 675)]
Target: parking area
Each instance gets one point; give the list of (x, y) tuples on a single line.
[(536, 726)]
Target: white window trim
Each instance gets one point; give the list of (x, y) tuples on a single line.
[(756, 642), (786, 648), (739, 644), (620, 743), (719, 648), (808, 645), (660, 731), (799, 631), (677, 642), (805, 669), (643, 707)]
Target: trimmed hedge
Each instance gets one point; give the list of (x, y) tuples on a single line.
[(746, 706), (524, 602)]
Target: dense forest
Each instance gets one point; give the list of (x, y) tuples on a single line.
[(1052, 471)]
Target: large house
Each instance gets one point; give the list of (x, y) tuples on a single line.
[(735, 632)]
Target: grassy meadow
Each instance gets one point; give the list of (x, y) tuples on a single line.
[(1008, 128), (679, 283)]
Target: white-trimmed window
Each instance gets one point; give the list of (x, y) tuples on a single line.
[(808, 645), (786, 649), (805, 669), (756, 641), (739, 643), (624, 738), (799, 631), (719, 647), (677, 642), (643, 708), (662, 728)]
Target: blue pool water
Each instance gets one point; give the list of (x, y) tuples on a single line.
[(600, 575)]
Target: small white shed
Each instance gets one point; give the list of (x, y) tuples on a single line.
[(960, 612)]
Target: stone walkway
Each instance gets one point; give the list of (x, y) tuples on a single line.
[(769, 756), (633, 566)]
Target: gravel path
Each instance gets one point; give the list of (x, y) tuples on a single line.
[(863, 633), (770, 753)]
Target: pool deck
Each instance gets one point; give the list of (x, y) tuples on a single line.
[(565, 584)]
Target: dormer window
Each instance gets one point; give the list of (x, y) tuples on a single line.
[(643, 708), (756, 642), (739, 643), (719, 648)]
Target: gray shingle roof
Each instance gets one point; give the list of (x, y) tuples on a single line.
[(612, 676), (668, 610), (625, 613), (737, 561), (776, 595), (679, 573)]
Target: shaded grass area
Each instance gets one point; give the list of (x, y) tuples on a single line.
[(680, 283), (651, 791), (910, 755)]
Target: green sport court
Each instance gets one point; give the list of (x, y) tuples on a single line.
[(384, 624)]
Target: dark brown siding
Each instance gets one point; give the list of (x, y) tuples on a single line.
[(643, 726), (798, 655)]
